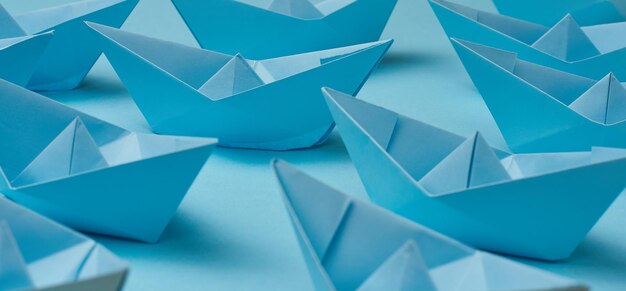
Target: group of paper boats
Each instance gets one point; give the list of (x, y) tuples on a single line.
[(279, 76)]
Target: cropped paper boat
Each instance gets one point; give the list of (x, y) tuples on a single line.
[(539, 109), (91, 175), (283, 27), (19, 56), (591, 51), (349, 244), (586, 12), (39, 254), (271, 104), (512, 204), (71, 53)]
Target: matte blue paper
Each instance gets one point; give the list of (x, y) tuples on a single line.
[(539, 109), (19, 56), (39, 254), (71, 53), (455, 185), (586, 12), (271, 104), (284, 27), (350, 244), (591, 51), (89, 174)]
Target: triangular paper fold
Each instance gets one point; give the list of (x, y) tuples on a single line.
[(567, 41)]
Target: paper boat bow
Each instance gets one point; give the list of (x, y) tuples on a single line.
[(591, 51), (271, 104), (71, 52), (89, 174), (350, 244), (586, 12), (39, 254), (513, 204), (542, 109), (284, 27), (19, 56)]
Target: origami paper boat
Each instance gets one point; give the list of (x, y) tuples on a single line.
[(271, 104), (512, 204), (539, 109), (39, 254), (19, 56), (350, 244), (591, 51), (586, 12), (71, 53), (284, 27), (91, 175)]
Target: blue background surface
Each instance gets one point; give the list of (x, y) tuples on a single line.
[(232, 232)]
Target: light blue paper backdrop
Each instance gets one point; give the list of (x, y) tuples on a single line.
[(232, 232)]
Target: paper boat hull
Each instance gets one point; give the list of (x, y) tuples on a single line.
[(19, 61), (521, 217), (233, 27), (72, 51), (135, 200), (458, 26), (112, 282)]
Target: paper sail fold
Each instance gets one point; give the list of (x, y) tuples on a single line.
[(89, 174), (349, 244), (591, 51), (539, 109), (586, 12), (39, 254), (272, 104), (507, 203), (283, 27), (70, 53)]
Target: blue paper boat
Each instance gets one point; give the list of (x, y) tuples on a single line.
[(591, 51), (586, 12), (539, 109), (512, 204), (283, 27), (19, 56), (91, 175), (39, 254), (272, 104), (71, 53), (349, 244)]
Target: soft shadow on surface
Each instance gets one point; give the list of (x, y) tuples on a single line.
[(398, 60), (331, 150)]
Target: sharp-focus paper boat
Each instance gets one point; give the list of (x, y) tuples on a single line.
[(586, 12), (39, 254), (283, 27), (539, 109), (91, 175), (591, 51), (272, 104), (532, 205), (71, 52), (349, 244)]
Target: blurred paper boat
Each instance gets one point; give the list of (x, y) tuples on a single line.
[(39, 254), (586, 12), (284, 27), (539, 109), (272, 104), (534, 205), (19, 56), (71, 53), (591, 51), (349, 244), (91, 175)]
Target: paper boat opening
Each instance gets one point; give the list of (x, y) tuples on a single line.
[(349, 244), (67, 258)]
